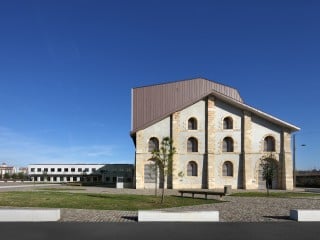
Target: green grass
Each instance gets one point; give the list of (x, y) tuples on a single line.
[(49, 199), (276, 194)]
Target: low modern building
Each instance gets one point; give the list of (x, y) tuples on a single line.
[(116, 175), (61, 172), (108, 174), (219, 139)]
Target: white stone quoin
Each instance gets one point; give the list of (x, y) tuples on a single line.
[(305, 215), (29, 215), (162, 216)]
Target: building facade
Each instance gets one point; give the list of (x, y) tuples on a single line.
[(5, 169), (108, 174), (219, 139), (61, 172)]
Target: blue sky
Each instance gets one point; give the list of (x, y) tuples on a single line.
[(67, 69)]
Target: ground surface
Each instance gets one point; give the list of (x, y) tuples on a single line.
[(234, 209)]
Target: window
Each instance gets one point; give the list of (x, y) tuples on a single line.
[(32, 169), (66, 170), (107, 179), (192, 169), (192, 124), (68, 179), (45, 170), (74, 179), (93, 169), (52, 169), (38, 169), (192, 145), (227, 123), (153, 144), (73, 169), (54, 179), (150, 173), (59, 169), (86, 170), (227, 145), (227, 169), (269, 144), (79, 169)]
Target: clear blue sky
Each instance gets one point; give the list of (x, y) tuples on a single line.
[(67, 69)]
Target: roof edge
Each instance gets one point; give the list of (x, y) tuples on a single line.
[(243, 106)]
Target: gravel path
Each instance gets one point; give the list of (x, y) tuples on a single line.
[(233, 209)]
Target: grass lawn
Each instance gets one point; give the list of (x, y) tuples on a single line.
[(50, 199), (276, 194)]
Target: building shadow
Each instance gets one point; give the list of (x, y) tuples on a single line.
[(131, 218), (279, 217)]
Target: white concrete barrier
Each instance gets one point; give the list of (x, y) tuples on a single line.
[(304, 215), (29, 215), (188, 216)]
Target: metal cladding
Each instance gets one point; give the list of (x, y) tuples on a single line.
[(153, 103)]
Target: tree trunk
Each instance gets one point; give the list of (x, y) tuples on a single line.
[(162, 196)]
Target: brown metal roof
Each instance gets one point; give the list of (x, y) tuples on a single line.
[(153, 103)]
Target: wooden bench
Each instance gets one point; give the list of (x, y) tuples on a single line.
[(205, 193)]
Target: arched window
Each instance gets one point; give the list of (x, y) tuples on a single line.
[(269, 144), (228, 123), (153, 144), (192, 145), (227, 145), (227, 169), (192, 169), (192, 124)]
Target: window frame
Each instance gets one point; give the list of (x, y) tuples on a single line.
[(155, 144), (194, 123), (227, 144), (192, 145), (227, 169), (269, 144), (192, 169), (227, 123)]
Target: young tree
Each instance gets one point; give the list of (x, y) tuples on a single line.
[(162, 158), (268, 170), (14, 176), (6, 176), (21, 176)]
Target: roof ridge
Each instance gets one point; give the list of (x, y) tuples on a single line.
[(183, 80)]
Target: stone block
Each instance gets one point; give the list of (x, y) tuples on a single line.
[(189, 216), (305, 215), (29, 215)]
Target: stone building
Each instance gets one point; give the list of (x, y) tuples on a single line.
[(219, 139)]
